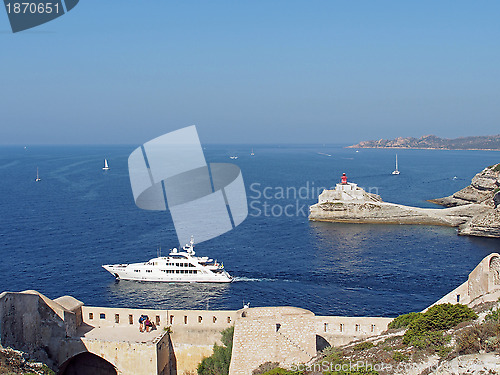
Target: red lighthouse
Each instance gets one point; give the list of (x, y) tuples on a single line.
[(344, 179)]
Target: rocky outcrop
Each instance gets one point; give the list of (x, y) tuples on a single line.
[(335, 206), (390, 213), (475, 210), (484, 189), (484, 225), (484, 186)]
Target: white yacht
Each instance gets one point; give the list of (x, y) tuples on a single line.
[(37, 176), (179, 266)]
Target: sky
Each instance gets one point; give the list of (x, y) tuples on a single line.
[(252, 72)]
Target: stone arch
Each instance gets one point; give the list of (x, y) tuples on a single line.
[(494, 270), (87, 364)]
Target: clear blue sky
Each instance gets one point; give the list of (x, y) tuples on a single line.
[(321, 71)]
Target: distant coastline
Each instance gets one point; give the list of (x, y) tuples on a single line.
[(432, 142)]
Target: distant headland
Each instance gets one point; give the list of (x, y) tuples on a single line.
[(487, 142)]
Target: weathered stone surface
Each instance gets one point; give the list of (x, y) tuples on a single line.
[(484, 225)]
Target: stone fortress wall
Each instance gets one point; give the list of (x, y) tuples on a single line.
[(482, 285), (66, 334)]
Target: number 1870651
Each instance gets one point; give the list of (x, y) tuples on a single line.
[(40, 8)]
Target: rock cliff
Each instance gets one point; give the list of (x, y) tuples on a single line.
[(484, 189), (484, 186), (475, 210)]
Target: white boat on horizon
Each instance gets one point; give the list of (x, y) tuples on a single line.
[(106, 166), (179, 266), (396, 171), (37, 176), (252, 154)]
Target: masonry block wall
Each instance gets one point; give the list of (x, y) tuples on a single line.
[(272, 334)]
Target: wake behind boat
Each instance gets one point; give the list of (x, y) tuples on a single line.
[(179, 266)]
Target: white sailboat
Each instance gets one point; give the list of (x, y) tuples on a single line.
[(252, 154), (106, 167), (37, 176), (396, 171)]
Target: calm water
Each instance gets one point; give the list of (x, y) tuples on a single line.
[(56, 234)]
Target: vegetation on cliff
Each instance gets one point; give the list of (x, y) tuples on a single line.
[(218, 363), (14, 362)]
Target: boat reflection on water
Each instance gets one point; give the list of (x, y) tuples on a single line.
[(167, 295)]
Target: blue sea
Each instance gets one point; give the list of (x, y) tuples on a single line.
[(56, 234)]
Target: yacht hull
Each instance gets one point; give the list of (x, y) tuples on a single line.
[(122, 272)]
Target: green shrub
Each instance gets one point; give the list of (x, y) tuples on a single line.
[(441, 317), (363, 346), (281, 371), (272, 368), (47, 370), (493, 315), (354, 371), (218, 362), (264, 367), (428, 340), (399, 357), (426, 330), (333, 355), (444, 351), (404, 320)]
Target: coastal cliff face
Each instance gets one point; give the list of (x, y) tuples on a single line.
[(484, 189), (475, 210)]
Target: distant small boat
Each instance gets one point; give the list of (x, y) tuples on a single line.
[(233, 157), (396, 171), (37, 176), (252, 154), (106, 167)]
